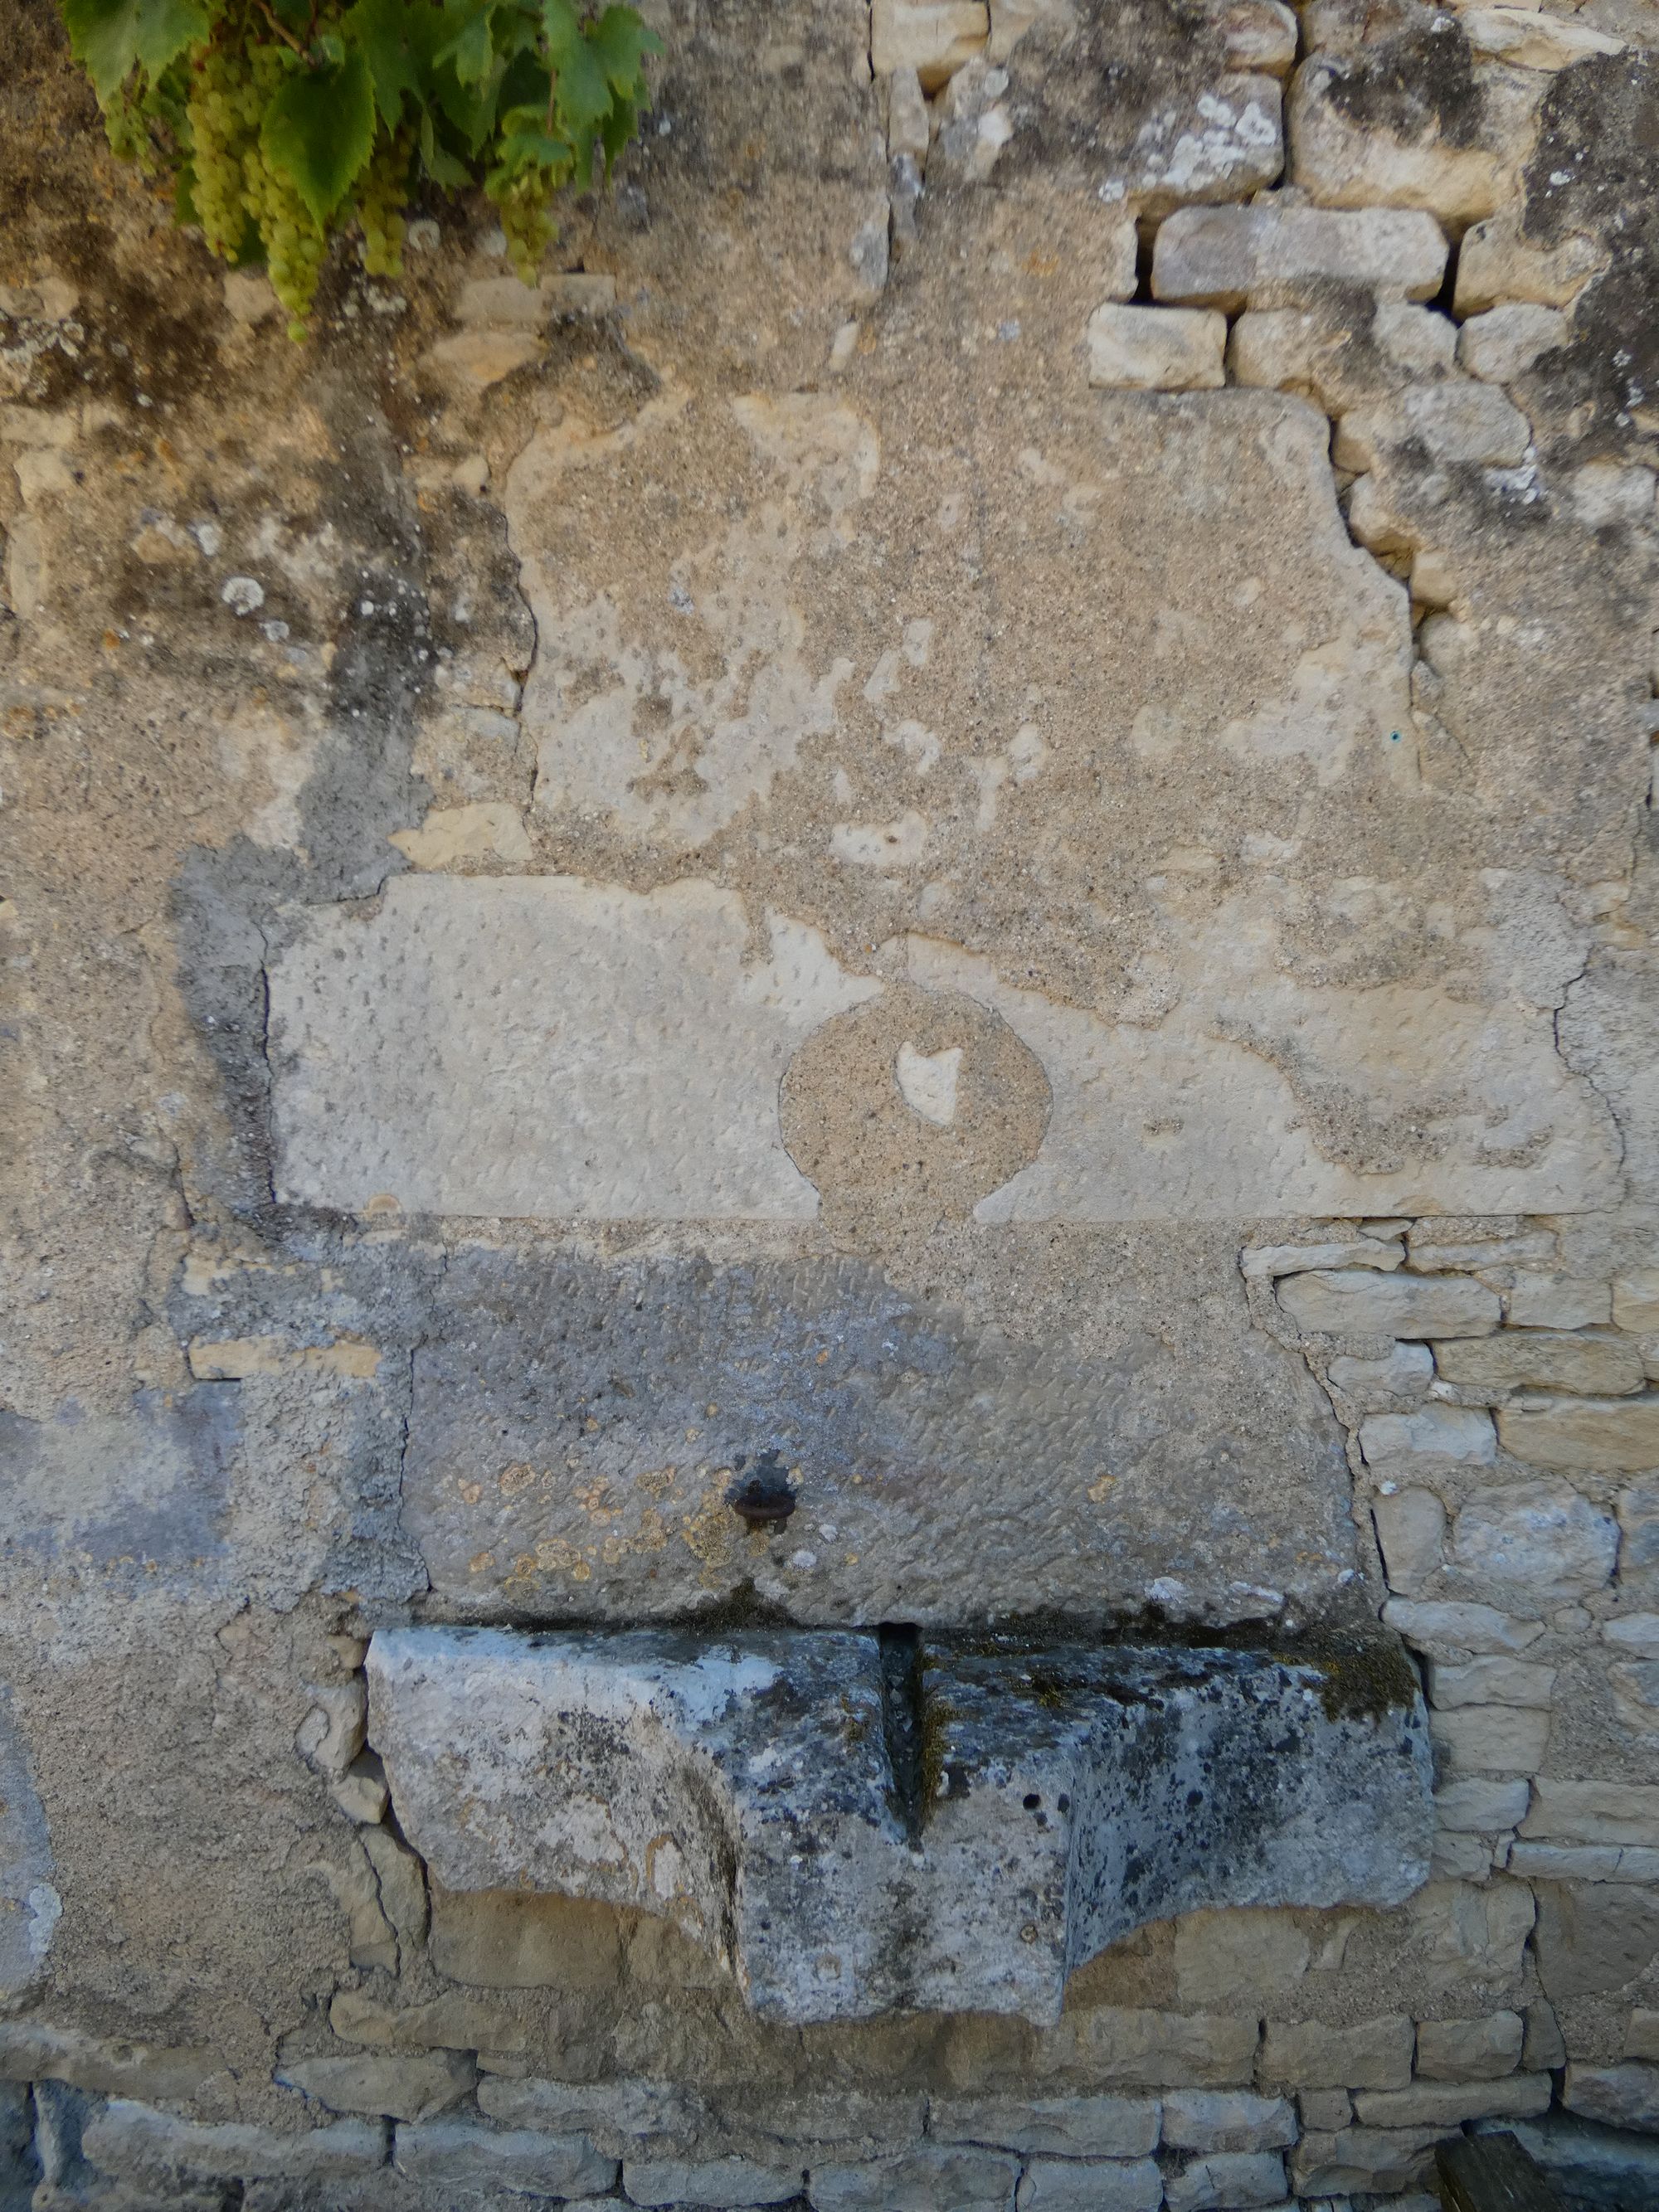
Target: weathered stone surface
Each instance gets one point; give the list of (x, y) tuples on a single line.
[(655, 1772), (35, 2051), (1351, 1301), (1165, 2050), (404, 2088), (932, 37), (1449, 2104), (1067, 2127), (1558, 1302), (923, 2181), (1453, 421), (1531, 39), (1493, 1739), (1502, 344), (1222, 2120), (1377, 2054), (461, 2153), (135, 2143), (1594, 1937), (1229, 2178), (1539, 1539), (368, 1016), (1401, 155), (717, 2181), (451, 2021), (1636, 1301), (1619, 2096), (601, 1491), (1237, 1959), (1642, 2034), (608, 2111), (1156, 349), (1385, 2159), (1452, 1629), (1268, 255), (1489, 1682), (1578, 2155), (1068, 2184), (1584, 1863), (1481, 2049), (1594, 1813), (1539, 1358), (1586, 1435), (1411, 1528), (1460, 1434), (1477, 1806)]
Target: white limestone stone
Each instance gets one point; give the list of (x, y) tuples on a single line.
[(409, 2086), (1452, 420), (1503, 342), (1260, 34), (1449, 2104), (622, 1052), (1228, 2178), (1482, 2050), (1594, 1813), (1492, 1738), (1636, 1300), (1080, 2127), (1474, 1805), (934, 38), (1411, 1528), (1460, 1434), (1624, 2096), (1353, 1303), (1591, 1435), (136, 2143), (1156, 349), (924, 2180), (1068, 2184), (1560, 1302), (1233, 2120), (1489, 1682), (1636, 1633), (1404, 1372), (1341, 162), (1541, 1359), (1268, 1261), (1267, 255), (1497, 263), (1373, 2054), (1530, 38), (1453, 1629), (461, 2153), (1541, 1538), (721, 2182)]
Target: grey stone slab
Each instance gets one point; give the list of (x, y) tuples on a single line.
[(921, 2181), (723, 2181), (1090, 2185), (563, 1461), (850, 1830), (1228, 2178), (1270, 255), (1226, 2120), (523, 2160), (137, 2143), (1069, 2127)]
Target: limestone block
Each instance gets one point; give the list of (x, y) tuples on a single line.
[(624, 1055), (1636, 1301), (1530, 38), (1460, 1857), (452, 2021), (1619, 2096), (1497, 263), (611, 2112), (724, 2182), (1437, 1243), (1229, 2178), (932, 37), (1350, 1301), (32, 2050), (1502, 344), (1642, 2034), (1221, 142), (1452, 422), (906, 116), (1065, 2127), (1260, 34), (462, 2153), (1483, 2050), (1638, 1522), (1449, 2103), (1227, 1960), (1324, 2111), (1375, 2054), (1267, 256), (1492, 1738), (922, 2181), (1070, 2184), (1226, 2120), (1156, 349), (645, 1771), (1460, 1435), (1489, 1682), (1164, 2050), (1594, 1937), (1594, 1813), (412, 2087), (1558, 1302), (474, 360), (1267, 1262), (1342, 161), (359, 1793), (1449, 1630), (1411, 1528), (135, 2143), (855, 2123), (1544, 2049), (1359, 2158), (1404, 1372), (1613, 2164), (1541, 1359), (1476, 1806), (1635, 1687), (1622, 1863), (1466, 1932), (1636, 1633), (331, 1733), (1592, 1436), (1539, 1538)]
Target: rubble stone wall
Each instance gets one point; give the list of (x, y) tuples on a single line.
[(956, 845)]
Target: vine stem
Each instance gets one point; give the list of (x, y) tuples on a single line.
[(281, 28)]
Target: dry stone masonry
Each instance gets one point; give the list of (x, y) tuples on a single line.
[(830, 1371)]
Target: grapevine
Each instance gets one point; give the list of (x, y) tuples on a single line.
[(281, 124)]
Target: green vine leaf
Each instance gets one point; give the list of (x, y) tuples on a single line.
[(620, 43), (318, 131), (111, 38)]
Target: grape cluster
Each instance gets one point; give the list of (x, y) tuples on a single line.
[(236, 188), (522, 205), (382, 195)]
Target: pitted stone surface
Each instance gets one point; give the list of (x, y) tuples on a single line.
[(847, 1841)]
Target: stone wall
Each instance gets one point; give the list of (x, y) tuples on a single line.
[(908, 932)]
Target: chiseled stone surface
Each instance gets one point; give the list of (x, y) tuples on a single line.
[(460, 2153), (1352, 1301), (1226, 2120), (1375, 2054), (138, 2144), (1482, 2050), (1541, 1359), (1156, 349), (924, 2180), (1268, 255), (1591, 1435), (1080, 2127), (1620, 2096), (1074, 2185), (717, 2181), (744, 1788)]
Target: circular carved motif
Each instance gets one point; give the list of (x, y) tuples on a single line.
[(918, 1097)]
